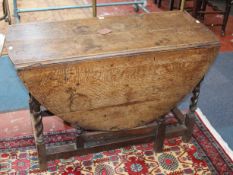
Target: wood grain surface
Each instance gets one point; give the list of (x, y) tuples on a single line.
[(123, 79), (56, 42), (118, 92), (48, 16)]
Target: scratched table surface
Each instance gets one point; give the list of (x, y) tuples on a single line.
[(52, 42)]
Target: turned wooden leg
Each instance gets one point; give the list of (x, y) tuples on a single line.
[(160, 134), (38, 132), (189, 119)]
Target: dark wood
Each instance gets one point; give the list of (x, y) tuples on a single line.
[(159, 3), (37, 125), (42, 156), (46, 113), (212, 12), (139, 131), (96, 141), (71, 149), (197, 4), (175, 130), (80, 142), (171, 4), (180, 117), (200, 11), (58, 152), (160, 135), (229, 3), (6, 12), (189, 119)]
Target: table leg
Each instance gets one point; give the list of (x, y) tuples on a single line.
[(226, 15), (38, 132), (189, 119), (160, 134), (171, 4), (196, 7), (94, 8), (6, 12)]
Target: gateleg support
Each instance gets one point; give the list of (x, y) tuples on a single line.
[(160, 134), (189, 122), (190, 116), (37, 125)]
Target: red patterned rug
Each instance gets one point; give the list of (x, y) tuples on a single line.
[(203, 155)]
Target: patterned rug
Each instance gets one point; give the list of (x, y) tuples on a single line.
[(203, 155)]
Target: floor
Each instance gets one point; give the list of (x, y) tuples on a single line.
[(13, 95), (216, 97), (215, 101)]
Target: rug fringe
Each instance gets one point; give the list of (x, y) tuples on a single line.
[(216, 135)]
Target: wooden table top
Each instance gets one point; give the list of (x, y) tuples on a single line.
[(37, 44)]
